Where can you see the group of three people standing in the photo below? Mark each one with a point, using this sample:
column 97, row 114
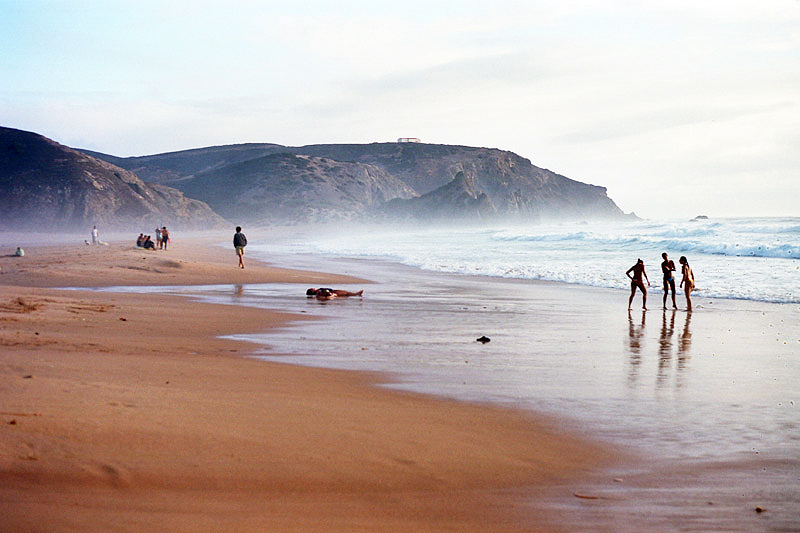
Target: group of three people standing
column 636, row 272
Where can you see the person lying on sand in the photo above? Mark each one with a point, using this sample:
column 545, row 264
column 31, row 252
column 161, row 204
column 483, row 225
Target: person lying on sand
column 327, row 294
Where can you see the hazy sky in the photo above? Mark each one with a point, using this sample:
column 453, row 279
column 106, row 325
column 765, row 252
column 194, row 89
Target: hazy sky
column 679, row 108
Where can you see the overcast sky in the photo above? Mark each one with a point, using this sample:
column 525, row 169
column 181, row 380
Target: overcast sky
column 679, row 108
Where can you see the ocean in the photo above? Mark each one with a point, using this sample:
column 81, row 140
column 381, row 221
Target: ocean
column 742, row 258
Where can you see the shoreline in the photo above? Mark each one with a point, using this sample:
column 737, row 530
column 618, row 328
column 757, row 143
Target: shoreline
column 679, row 392
column 116, row 409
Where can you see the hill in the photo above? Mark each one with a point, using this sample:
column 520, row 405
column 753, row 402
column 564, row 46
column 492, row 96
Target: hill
column 379, row 180
column 286, row 188
column 45, row 186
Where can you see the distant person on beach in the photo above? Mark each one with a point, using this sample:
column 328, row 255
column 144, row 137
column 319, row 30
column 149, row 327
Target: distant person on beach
column 667, row 268
column 239, row 242
column 339, row 293
column 94, row 235
column 158, row 237
column 688, row 279
column 636, row 281
column 148, row 243
column 164, row 237
column 140, row 240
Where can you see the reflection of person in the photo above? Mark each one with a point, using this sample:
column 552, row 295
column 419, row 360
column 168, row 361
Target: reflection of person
column 336, row 292
column 635, row 341
column 239, row 242
column 686, row 339
column 667, row 268
column 688, row 278
column 636, row 281
column 665, row 344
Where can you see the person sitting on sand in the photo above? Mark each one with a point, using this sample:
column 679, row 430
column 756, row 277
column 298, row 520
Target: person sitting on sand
column 688, row 278
column 140, row 240
column 667, row 268
column 148, row 243
column 636, row 281
column 336, row 292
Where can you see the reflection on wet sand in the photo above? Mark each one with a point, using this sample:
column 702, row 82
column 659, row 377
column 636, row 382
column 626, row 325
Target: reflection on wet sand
column 684, row 344
column 666, row 347
column 635, row 335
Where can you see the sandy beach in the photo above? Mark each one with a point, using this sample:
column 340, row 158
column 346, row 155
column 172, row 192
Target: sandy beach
column 127, row 412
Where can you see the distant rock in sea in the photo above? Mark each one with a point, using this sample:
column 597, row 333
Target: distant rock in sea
column 45, row 186
column 700, row 217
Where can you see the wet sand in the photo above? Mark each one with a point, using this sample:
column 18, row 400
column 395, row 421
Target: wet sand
column 704, row 403
column 128, row 412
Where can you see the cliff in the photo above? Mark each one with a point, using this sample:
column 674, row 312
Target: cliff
column 381, row 180
column 45, row 186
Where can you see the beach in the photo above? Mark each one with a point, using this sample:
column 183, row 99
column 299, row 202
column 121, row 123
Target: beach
column 127, row 411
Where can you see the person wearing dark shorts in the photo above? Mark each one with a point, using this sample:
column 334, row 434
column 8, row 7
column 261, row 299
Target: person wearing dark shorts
column 636, row 282
column 667, row 268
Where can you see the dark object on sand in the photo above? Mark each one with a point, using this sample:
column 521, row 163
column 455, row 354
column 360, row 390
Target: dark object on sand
column 484, row 339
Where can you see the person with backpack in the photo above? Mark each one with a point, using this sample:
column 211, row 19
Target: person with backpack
column 239, row 242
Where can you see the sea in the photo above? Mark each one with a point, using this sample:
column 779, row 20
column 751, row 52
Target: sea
column 741, row 258
column 710, row 399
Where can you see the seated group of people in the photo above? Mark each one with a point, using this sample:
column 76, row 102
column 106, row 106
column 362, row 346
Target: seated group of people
column 144, row 241
column 329, row 294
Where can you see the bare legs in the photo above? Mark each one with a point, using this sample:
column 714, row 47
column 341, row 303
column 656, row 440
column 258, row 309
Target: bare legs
column 640, row 286
column 667, row 286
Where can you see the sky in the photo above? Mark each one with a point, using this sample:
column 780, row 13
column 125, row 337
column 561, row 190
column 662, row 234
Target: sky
column 679, row 108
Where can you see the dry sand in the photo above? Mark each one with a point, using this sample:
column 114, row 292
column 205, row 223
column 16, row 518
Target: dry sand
column 127, row 412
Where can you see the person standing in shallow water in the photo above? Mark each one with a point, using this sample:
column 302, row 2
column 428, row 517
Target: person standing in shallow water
column 636, row 281
column 688, row 279
column 239, row 242
column 667, row 268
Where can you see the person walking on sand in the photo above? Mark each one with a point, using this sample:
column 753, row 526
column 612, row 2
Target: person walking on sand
column 94, row 235
column 164, row 237
column 688, row 278
column 667, row 268
column 239, row 242
column 636, row 281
